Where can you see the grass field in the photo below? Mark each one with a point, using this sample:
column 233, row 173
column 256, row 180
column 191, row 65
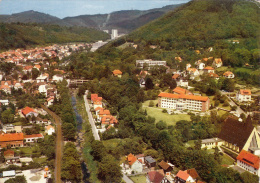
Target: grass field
column 40, row 160
column 159, row 115
column 226, row 160
column 138, row 179
column 112, row 143
column 248, row 70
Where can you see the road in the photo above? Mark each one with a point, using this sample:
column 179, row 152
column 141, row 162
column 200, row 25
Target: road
column 59, row 144
column 126, row 179
column 90, row 117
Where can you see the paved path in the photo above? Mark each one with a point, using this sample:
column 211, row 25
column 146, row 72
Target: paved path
column 59, row 145
column 126, row 179
column 239, row 110
column 90, row 117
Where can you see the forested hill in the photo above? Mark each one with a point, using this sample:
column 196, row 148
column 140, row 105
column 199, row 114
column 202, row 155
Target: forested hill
column 201, row 22
column 23, row 35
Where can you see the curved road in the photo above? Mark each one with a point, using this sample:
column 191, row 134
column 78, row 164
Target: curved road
column 59, row 144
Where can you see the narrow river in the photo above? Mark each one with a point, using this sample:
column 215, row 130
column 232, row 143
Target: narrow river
column 84, row 169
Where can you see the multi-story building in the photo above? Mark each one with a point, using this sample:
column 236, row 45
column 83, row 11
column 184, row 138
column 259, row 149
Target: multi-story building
column 249, row 162
column 244, row 95
column 149, row 63
column 182, row 102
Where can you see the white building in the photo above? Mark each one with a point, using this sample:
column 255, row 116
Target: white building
column 49, row 130
column 32, row 138
column 244, row 95
column 57, row 78
column 229, row 74
column 114, row 34
column 149, row 63
column 211, row 143
column 43, row 90
column 248, row 162
column 42, row 79
column 182, row 102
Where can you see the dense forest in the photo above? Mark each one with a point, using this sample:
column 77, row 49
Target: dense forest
column 22, row 35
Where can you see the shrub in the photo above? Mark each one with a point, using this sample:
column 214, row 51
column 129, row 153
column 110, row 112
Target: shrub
column 164, row 111
column 151, row 103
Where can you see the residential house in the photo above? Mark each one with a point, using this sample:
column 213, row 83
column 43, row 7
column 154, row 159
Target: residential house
column 135, row 165
column 38, row 67
column 142, row 82
column 193, row 72
column 117, row 73
column 41, row 121
column 94, row 98
column 238, row 135
column 57, row 78
column 167, row 167
column 183, row 177
column 149, row 161
column 208, row 69
column 156, row 177
column 49, row 130
column 50, row 101
column 179, row 90
column 244, row 95
column 217, row 62
column 6, row 89
column 176, row 77
column 27, row 111
column 228, row 74
column 179, row 59
column 43, row 90
column 183, row 101
column 32, row 138
column 249, row 162
column 9, row 157
column 213, row 75
column 108, row 120
column 12, row 139
column 201, row 66
column 42, row 78
column 102, row 114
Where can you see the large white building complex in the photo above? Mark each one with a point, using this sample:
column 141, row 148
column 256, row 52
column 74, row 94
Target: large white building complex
column 150, row 63
column 182, row 102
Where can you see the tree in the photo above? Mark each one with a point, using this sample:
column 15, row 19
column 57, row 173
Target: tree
column 151, row 103
column 98, row 150
column 35, row 73
column 7, row 116
column 161, row 125
column 248, row 177
column 149, row 83
column 109, row 170
column 20, row 179
column 69, row 131
column 197, row 144
column 81, row 90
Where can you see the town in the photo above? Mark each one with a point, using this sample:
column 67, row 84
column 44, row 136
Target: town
column 150, row 106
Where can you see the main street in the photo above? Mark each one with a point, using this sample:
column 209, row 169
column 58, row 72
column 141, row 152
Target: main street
column 90, row 117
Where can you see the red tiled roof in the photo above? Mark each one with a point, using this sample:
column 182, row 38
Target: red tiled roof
column 175, row 76
column 155, row 176
column 180, row 90
column 182, row 96
column 227, row 73
column 193, row 173
column 117, row 72
column 249, row 159
column 213, row 75
column 104, row 112
column 208, row 68
column 33, row 136
column 98, row 108
column 245, row 92
column 183, row 175
column 11, row 137
column 8, row 152
column 27, row 110
column 131, row 159
column 218, row 60
column 49, row 127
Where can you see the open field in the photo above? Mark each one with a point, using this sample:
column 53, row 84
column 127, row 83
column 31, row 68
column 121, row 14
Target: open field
column 159, row 115
column 226, row 160
column 138, row 179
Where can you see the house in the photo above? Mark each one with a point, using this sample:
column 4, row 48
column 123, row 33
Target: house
column 217, row 62
column 108, row 120
column 142, row 82
column 179, row 59
column 166, row 166
column 135, row 165
column 244, row 95
column 103, row 113
column 149, row 161
column 94, row 98
column 57, row 78
column 32, row 138
column 156, row 177
column 37, row 67
column 183, row 101
column 249, row 162
column 49, row 130
column 41, row 121
column 201, row 66
column 43, row 90
column 228, row 74
column 193, row 72
column 27, row 111
column 211, row 143
column 42, row 78
column 117, row 73
column 97, row 104
column 6, row 89
column 176, row 77
column 183, row 177
column 238, row 135
column 179, row 90
column 213, row 75
column 50, row 101
column 188, row 66
column 12, row 139
column 208, row 69
column 9, row 157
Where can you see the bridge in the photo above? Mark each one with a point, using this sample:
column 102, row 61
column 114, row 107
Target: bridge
column 75, row 83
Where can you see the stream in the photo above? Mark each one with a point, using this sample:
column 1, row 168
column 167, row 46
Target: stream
column 79, row 140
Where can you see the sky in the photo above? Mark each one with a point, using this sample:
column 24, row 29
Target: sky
column 68, row 8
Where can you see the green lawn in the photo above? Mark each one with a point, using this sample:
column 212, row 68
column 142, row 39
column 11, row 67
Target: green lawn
column 40, row 160
column 138, row 179
column 226, row 160
column 190, row 143
column 159, row 115
column 111, row 143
